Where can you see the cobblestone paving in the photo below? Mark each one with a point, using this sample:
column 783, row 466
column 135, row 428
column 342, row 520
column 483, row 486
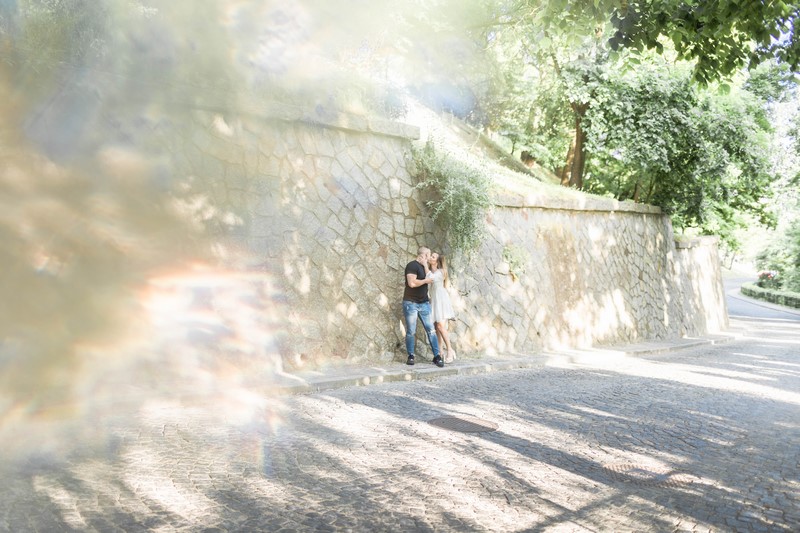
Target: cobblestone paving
column 706, row 439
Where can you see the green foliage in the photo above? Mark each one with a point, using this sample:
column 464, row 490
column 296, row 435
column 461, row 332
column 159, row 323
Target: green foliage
column 460, row 196
column 541, row 75
column 782, row 256
column 722, row 36
column 794, row 134
column 507, row 101
column 119, row 51
column 516, row 257
column 771, row 81
column 563, row 22
column 532, row 113
column 52, row 37
column 701, row 155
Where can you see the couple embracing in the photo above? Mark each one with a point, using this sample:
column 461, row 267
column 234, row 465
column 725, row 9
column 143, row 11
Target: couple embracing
column 428, row 269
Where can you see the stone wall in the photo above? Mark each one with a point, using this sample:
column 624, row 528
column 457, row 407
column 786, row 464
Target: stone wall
column 562, row 273
column 325, row 205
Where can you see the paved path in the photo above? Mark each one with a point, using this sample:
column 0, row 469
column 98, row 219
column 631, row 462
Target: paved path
column 700, row 439
column 741, row 306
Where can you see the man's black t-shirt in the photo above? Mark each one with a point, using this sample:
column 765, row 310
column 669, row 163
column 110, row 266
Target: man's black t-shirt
column 415, row 294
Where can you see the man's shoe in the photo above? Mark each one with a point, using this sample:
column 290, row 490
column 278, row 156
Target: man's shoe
column 438, row 361
column 410, row 360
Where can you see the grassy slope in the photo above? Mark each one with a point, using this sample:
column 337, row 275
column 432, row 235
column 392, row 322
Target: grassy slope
column 454, row 136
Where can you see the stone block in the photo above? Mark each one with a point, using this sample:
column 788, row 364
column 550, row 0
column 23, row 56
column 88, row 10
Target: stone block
column 323, row 166
column 351, row 287
column 375, row 180
column 404, row 243
column 338, row 227
column 410, row 226
column 387, row 169
column 323, row 146
column 347, row 163
column 307, row 142
column 334, row 204
column 341, row 247
column 399, row 224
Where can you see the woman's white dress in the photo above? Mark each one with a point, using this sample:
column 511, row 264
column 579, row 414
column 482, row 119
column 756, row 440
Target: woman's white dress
column 440, row 300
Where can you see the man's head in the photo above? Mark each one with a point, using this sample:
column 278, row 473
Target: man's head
column 423, row 254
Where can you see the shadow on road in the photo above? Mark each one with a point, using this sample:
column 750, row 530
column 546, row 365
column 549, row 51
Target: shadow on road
column 709, row 429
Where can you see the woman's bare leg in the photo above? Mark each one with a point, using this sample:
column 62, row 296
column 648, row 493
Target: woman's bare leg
column 450, row 351
column 441, row 332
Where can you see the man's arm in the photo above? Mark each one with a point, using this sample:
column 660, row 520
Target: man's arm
column 414, row 282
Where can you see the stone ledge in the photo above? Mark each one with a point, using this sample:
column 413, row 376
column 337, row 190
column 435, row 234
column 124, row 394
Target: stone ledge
column 392, row 129
column 695, row 242
column 319, row 116
column 541, row 201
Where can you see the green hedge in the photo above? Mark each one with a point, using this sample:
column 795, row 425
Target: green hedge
column 790, row 299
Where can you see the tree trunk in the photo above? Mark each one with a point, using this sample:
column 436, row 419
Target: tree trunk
column 579, row 153
column 565, row 170
column 572, row 174
column 651, row 191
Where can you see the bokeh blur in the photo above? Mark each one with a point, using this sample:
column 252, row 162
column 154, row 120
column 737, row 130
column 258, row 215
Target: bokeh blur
column 118, row 282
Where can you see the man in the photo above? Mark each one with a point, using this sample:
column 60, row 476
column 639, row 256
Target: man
column 416, row 304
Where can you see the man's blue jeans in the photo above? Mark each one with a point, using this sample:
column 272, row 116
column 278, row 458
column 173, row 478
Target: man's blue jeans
column 410, row 311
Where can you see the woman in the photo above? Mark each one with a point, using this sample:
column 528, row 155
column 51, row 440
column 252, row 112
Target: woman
column 440, row 303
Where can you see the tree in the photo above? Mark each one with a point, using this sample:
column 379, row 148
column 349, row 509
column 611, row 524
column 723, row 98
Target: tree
column 782, row 256
column 723, row 36
column 771, row 81
column 524, row 100
column 561, row 54
column 579, row 80
column 701, row 155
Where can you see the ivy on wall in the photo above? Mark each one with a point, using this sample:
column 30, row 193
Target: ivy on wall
column 461, row 195
column 516, row 257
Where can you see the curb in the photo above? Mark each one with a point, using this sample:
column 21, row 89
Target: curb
column 737, row 295
column 676, row 346
column 365, row 376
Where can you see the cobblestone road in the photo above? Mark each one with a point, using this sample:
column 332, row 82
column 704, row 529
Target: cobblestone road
column 706, row 439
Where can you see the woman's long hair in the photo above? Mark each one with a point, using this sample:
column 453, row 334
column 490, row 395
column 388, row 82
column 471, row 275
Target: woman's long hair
column 442, row 263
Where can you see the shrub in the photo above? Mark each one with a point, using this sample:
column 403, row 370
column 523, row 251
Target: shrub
column 789, row 299
column 768, row 279
column 516, row 257
column 460, row 196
